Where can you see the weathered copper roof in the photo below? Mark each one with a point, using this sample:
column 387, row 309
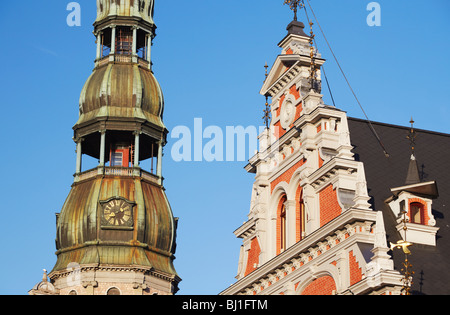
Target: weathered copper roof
column 81, row 238
column 121, row 91
column 142, row 9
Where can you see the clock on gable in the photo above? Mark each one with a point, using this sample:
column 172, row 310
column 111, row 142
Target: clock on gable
column 117, row 213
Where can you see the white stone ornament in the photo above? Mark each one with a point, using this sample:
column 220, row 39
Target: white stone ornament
column 287, row 114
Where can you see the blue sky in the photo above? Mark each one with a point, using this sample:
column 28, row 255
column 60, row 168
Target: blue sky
column 208, row 57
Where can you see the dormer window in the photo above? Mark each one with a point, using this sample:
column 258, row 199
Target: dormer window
column 414, row 203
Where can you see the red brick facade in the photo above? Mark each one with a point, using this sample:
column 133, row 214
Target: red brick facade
column 253, row 256
column 286, row 176
column 355, row 270
column 321, row 286
column 329, row 205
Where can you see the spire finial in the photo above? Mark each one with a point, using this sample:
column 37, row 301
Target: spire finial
column 412, row 136
column 413, row 176
column 294, row 5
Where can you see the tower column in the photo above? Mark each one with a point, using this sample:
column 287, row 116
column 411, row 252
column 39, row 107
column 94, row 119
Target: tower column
column 136, row 148
column 99, row 44
column 159, row 162
column 134, row 56
column 113, row 40
column 149, row 50
column 101, row 165
column 79, row 155
column 102, row 147
column 134, row 49
column 290, row 222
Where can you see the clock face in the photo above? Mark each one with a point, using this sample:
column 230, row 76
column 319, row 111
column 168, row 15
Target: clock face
column 117, row 212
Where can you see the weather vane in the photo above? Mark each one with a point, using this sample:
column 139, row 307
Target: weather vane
column 294, row 5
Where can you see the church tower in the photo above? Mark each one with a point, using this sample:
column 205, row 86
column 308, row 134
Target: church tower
column 310, row 228
column 116, row 233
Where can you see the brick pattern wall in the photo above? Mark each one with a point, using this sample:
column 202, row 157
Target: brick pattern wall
column 286, row 176
column 355, row 270
column 321, row 286
column 253, row 256
column 329, row 205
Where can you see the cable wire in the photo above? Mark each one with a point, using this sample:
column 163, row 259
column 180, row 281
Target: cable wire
column 323, row 67
column 348, row 83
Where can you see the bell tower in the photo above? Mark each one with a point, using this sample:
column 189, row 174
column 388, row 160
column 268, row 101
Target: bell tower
column 116, row 233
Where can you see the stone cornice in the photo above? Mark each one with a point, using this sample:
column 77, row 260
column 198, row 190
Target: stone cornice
column 350, row 227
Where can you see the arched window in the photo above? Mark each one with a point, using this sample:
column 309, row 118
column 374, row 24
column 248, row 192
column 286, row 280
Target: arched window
column 282, row 225
column 283, row 228
column 417, row 213
column 113, row 291
column 301, row 217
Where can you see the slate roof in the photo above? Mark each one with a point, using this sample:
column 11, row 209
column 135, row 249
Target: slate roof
column 430, row 264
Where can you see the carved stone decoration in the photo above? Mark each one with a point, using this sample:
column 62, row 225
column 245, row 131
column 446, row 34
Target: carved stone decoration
column 287, row 113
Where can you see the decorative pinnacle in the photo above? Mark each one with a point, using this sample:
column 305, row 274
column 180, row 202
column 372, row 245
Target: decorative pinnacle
column 266, row 116
column 294, row 5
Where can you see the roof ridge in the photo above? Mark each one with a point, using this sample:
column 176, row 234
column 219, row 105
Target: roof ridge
column 399, row 126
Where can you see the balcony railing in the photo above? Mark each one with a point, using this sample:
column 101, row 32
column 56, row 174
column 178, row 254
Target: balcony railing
column 117, row 58
column 117, row 171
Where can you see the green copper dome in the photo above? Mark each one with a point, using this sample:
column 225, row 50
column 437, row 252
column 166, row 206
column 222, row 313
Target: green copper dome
column 125, row 91
column 147, row 242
